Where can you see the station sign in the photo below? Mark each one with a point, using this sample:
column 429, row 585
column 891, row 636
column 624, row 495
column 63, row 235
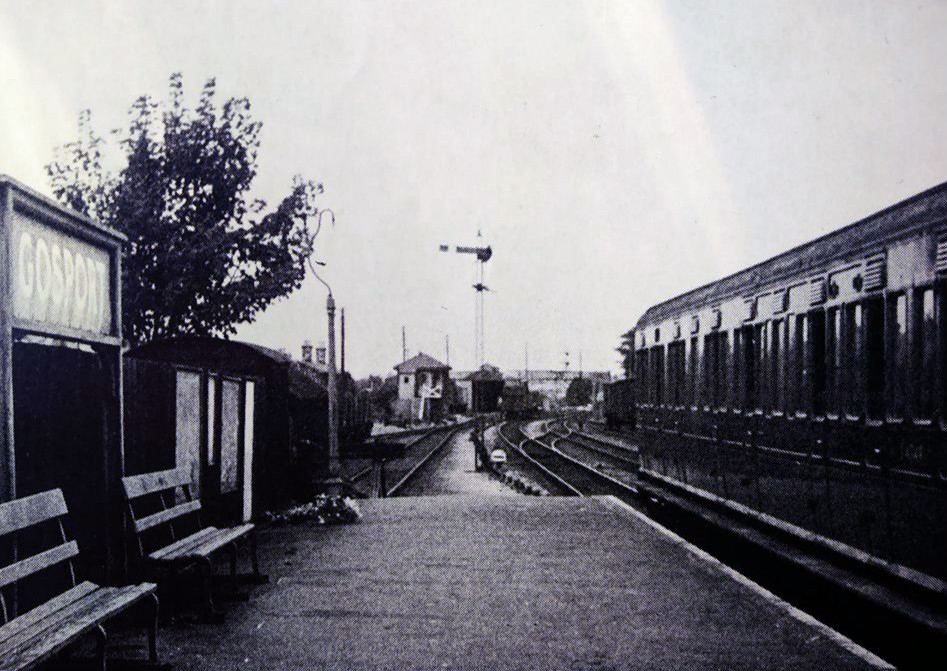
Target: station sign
column 58, row 280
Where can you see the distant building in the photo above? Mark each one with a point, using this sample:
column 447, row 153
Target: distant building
column 553, row 384
column 550, row 384
column 486, row 387
column 423, row 388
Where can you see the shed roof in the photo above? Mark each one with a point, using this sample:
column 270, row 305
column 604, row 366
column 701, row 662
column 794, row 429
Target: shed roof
column 306, row 380
column 420, row 361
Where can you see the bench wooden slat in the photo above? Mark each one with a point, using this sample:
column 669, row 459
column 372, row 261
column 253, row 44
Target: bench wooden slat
column 32, row 617
column 31, row 510
column 167, row 515
column 222, row 538
column 50, row 619
column 208, row 545
column 182, row 545
column 48, row 637
column 38, row 562
column 137, row 486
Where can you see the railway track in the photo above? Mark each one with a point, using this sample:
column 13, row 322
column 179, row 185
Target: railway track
column 402, row 470
column 617, row 456
column 906, row 628
column 520, row 459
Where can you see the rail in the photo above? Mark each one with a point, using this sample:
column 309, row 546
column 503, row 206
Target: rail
column 410, row 475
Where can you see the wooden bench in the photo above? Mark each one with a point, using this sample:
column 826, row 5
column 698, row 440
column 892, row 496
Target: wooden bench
column 29, row 639
column 170, row 536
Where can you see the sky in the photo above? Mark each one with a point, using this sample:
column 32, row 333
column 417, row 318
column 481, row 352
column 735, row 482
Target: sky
column 612, row 154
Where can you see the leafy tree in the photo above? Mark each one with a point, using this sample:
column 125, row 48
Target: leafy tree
column 579, row 391
column 202, row 256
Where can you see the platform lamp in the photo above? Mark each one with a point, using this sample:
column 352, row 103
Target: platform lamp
column 333, row 485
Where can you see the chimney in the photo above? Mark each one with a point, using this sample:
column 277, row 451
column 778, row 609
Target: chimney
column 321, row 354
column 307, row 351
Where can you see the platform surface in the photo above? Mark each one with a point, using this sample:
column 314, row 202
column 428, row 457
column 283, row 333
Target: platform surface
column 496, row 582
column 452, row 472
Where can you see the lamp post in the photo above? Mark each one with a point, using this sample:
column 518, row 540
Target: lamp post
column 333, row 485
column 333, row 394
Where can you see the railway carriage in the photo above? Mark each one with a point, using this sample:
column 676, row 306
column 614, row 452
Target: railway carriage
column 827, row 357
column 618, row 408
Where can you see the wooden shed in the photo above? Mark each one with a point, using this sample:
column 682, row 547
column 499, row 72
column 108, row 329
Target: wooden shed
column 250, row 421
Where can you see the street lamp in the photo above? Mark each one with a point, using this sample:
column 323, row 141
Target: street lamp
column 333, row 485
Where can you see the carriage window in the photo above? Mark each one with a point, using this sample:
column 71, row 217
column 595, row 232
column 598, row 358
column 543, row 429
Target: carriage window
column 747, row 356
column 925, row 354
column 721, row 378
column 694, row 387
column 776, row 365
column 799, row 372
column 676, row 373
column 875, row 357
column 897, row 355
column 852, row 383
column 816, row 360
column 761, row 390
column 833, row 334
column 942, row 327
column 641, row 375
column 658, row 372
column 710, row 367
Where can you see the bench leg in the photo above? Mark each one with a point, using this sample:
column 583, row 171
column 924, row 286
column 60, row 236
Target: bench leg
column 207, row 571
column 258, row 579
column 233, row 568
column 253, row 556
column 153, row 630
column 100, row 640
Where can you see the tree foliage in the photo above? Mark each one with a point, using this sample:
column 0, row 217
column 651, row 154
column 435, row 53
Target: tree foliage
column 202, row 256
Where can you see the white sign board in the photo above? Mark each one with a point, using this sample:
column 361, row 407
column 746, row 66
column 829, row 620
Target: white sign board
column 58, row 280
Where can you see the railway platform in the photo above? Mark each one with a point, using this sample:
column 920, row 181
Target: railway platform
column 503, row 582
column 452, row 471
